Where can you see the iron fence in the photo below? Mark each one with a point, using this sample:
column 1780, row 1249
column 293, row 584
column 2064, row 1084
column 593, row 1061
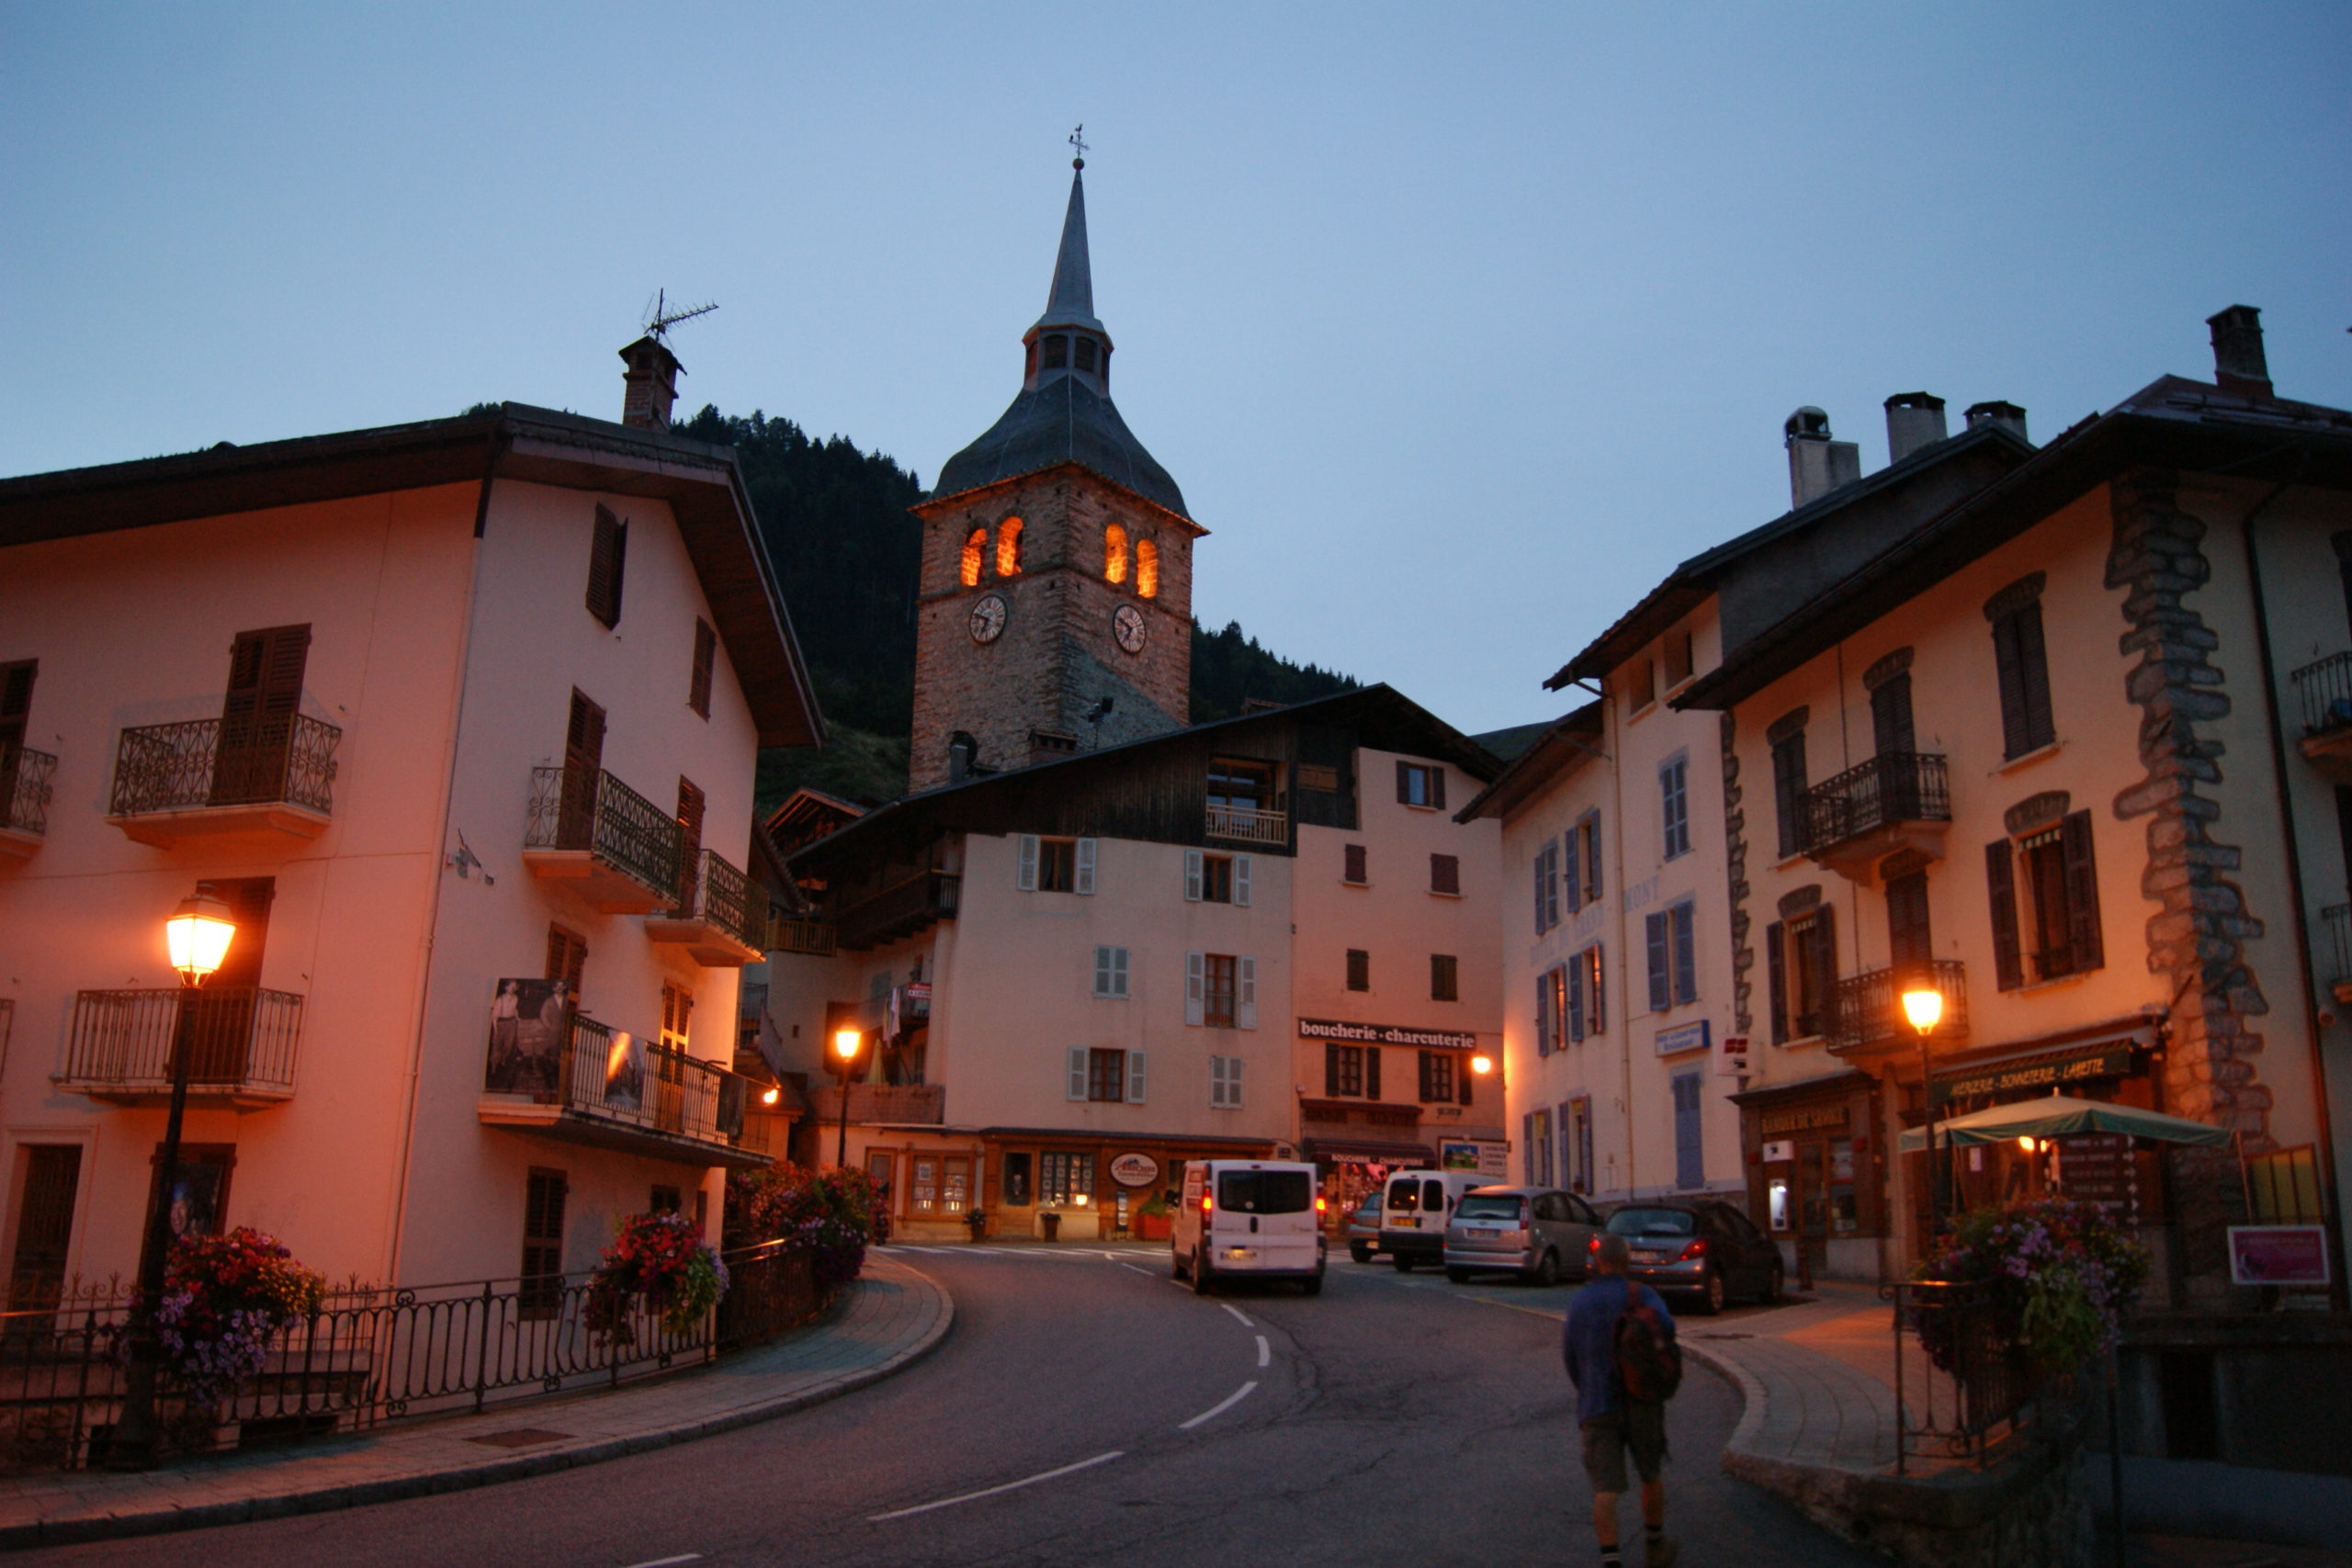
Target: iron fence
column 26, row 788
column 286, row 758
column 721, row 895
column 573, row 809
column 235, row 1037
column 1869, row 1006
column 1965, row 1387
column 2325, row 687
column 1896, row 786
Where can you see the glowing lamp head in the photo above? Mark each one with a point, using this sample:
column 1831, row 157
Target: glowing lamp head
column 2028, row 1144
column 1482, row 1066
column 1924, row 1006
column 198, row 935
column 845, row 1042
column 770, row 1095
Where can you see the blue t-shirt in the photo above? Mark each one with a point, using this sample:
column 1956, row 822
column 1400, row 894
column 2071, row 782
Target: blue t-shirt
column 1589, row 1340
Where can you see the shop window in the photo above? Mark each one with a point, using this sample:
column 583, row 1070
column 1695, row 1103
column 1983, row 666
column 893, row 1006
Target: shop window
column 1065, row 1178
column 881, row 1167
column 2284, row 1185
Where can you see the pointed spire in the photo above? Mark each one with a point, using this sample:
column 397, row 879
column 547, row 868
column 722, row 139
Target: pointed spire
column 1070, row 302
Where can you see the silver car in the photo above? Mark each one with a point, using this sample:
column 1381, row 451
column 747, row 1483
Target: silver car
column 1533, row 1232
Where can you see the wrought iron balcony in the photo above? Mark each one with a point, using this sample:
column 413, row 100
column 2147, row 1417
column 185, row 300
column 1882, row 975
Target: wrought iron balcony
column 240, row 1041
column 25, row 792
column 882, row 1104
column 617, row 1090
column 1896, row 801
column 618, row 850
column 2324, row 687
column 1249, row 825
column 225, row 778
column 712, row 919
column 901, row 909
column 1869, row 1006
column 814, row 938
column 2336, row 920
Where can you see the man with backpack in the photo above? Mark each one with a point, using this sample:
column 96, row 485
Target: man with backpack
column 1619, row 1345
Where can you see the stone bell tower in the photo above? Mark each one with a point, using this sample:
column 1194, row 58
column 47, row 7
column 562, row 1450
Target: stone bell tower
column 1054, row 612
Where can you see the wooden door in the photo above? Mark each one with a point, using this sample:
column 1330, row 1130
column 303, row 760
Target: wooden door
column 257, row 716
column 44, row 1226
column 16, row 709
column 583, row 760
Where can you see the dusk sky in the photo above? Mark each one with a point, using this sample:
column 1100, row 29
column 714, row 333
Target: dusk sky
column 1458, row 326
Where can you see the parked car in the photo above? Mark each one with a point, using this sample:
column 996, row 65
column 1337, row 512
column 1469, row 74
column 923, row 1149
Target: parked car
column 1257, row 1219
column 1363, row 1229
column 1703, row 1249
column 1414, row 1208
column 1533, row 1232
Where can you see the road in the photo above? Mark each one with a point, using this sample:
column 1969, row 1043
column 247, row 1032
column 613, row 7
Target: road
column 1103, row 1415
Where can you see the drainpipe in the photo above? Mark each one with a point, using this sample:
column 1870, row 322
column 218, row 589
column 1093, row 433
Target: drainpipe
column 2336, row 1291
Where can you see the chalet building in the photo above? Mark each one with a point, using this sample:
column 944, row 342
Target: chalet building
column 2070, row 749
column 460, row 720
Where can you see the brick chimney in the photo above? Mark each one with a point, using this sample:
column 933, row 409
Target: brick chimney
column 650, row 382
column 2239, row 364
column 1912, row 420
column 2007, row 415
column 1816, row 464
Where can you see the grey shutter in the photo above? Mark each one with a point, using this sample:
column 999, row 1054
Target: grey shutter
column 1372, row 1072
column 1592, row 857
column 1776, row 971
column 1025, row 876
column 1330, row 1069
column 1404, row 783
column 1241, row 880
column 1596, row 1016
column 1543, row 1014
column 1119, row 971
column 1576, row 1001
column 1101, row 971
column 1192, row 876
column 1825, row 953
column 1135, row 1078
column 1195, row 984
column 1686, row 952
column 1077, row 1071
column 2082, row 892
column 1569, row 874
column 1543, row 871
column 2000, row 877
column 1437, row 790
column 1245, row 987
column 1654, row 929
column 1084, row 880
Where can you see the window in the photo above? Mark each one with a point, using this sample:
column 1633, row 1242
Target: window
column 1538, row 1151
column 1801, row 964
column 1352, row 1070
column 1217, row 879
column 1585, row 1013
column 1575, row 1142
column 1008, row 548
column 2022, row 667
column 607, row 562
column 1909, row 944
column 1891, row 728
column 1017, row 1170
column 1788, row 791
column 1240, row 788
column 1551, row 1009
column 1673, row 939
column 1146, row 569
column 1106, row 1075
column 2284, row 1186
column 1674, row 813
column 1084, row 349
column 677, row 1009
column 1641, row 685
column 1547, row 886
column 1063, row 1177
column 1057, row 352
column 1446, row 978
column 543, row 1197
column 1359, row 969
column 1354, row 870
column 1054, row 865
column 566, row 958
column 706, row 657
column 1114, row 549
column 2061, row 929
column 1677, row 650
column 1219, row 995
column 1437, row 1077
column 1225, row 1083
column 1220, row 991
column 1110, row 972
column 1582, row 869
column 1445, row 874
column 49, row 1177
column 665, row 1200
column 976, row 555
column 1689, row 1163
column 1422, row 785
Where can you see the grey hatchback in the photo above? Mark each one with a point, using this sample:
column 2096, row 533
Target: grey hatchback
column 1705, row 1248
column 1534, row 1232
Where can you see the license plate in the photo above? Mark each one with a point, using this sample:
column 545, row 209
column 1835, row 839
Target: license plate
column 1476, row 1230
column 1241, row 1254
column 1406, row 1222
column 1640, row 1257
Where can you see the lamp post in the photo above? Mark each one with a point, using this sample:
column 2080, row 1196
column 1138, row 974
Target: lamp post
column 847, row 1042
column 1924, row 1006
column 197, row 936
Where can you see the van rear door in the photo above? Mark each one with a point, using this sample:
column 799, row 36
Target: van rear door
column 1270, row 1212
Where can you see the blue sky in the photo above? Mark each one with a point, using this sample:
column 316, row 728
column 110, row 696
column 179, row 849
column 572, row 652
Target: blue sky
column 1459, row 325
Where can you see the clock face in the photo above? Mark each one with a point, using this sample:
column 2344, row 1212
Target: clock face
column 987, row 619
column 1127, row 624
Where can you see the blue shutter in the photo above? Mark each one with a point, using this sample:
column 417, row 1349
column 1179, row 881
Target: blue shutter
column 1543, row 1014
column 1539, row 887
column 1569, row 871
column 1576, row 1002
column 1689, row 1168
column 1660, row 996
column 1686, row 952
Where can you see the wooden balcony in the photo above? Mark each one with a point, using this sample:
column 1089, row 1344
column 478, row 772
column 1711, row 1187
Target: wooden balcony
column 815, row 938
column 615, row 1090
column 1868, row 1007
column 2324, row 687
column 713, row 918
column 901, row 909
column 252, row 781
column 609, row 844
column 882, row 1104
column 25, row 793
column 241, row 1043
column 1898, row 801
column 1249, row 825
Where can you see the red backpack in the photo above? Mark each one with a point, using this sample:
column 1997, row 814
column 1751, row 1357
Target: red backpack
column 1650, row 1363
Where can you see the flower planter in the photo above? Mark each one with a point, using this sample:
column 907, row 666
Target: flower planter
column 1149, row 1227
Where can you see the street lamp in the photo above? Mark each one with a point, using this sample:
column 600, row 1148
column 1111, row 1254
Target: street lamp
column 1482, row 1066
column 846, row 1044
column 1924, row 1006
column 197, row 936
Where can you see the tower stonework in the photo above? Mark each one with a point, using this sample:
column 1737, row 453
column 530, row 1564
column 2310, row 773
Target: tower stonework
column 1055, row 608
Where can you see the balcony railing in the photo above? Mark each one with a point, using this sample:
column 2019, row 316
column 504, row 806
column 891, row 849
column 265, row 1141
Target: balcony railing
column 1888, row 790
column 713, row 917
column 24, row 790
column 619, row 1090
column 812, row 937
column 898, row 911
column 275, row 772
column 2326, row 688
column 1869, row 1007
column 1249, row 824
column 241, row 1043
column 586, row 825
column 882, row 1104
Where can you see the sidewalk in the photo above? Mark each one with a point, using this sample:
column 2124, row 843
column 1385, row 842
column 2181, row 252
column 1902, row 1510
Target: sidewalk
column 891, row 1317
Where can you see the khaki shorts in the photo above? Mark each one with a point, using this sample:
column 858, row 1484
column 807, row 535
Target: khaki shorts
column 1633, row 1426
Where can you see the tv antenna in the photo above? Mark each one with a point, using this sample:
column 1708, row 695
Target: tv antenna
column 661, row 318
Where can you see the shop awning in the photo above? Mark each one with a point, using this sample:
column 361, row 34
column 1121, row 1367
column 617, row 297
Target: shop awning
column 2054, row 1116
column 1365, row 1151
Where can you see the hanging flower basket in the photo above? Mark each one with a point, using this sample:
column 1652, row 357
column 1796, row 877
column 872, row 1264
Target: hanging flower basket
column 658, row 1260
column 225, row 1297
column 2054, row 1278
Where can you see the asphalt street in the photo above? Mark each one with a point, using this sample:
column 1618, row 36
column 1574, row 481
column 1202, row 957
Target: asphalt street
column 1086, row 1410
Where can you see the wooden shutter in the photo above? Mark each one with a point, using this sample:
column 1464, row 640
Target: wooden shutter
column 1576, row 1000
column 1909, row 945
column 1245, row 985
column 1543, row 871
column 607, row 557
column 1437, row 798
column 1891, row 729
column 706, row 657
column 1404, row 783
column 583, row 759
column 1661, row 994
column 1776, row 977
column 1025, row 872
column 1686, row 952
column 257, row 714
column 1195, row 987
column 1825, row 965
column 1075, row 1062
column 1356, row 871
column 2082, row 892
column 15, row 703
column 1445, row 873
column 2035, row 670
column 1082, row 879
column 1192, row 876
column 1330, row 1069
column 543, row 1204
column 2001, row 879
column 1134, row 1079
column 690, row 813
column 1788, row 792
column 1241, row 868
column 1462, row 1078
column 1372, row 1072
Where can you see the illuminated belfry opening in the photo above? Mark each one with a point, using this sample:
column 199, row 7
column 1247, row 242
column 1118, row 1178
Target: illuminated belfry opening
column 1114, row 554
column 1008, row 548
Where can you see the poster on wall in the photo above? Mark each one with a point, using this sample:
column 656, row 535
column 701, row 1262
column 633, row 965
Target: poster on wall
column 2277, row 1255
column 527, row 1024
column 1474, row 1155
column 625, row 1072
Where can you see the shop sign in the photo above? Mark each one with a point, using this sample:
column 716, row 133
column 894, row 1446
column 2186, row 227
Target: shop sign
column 2097, row 1168
column 1386, row 1034
column 2277, row 1255
column 1465, row 1154
column 1687, row 1037
column 1134, row 1170
column 2114, row 1062
column 1731, row 1061
column 1804, row 1120
column 1779, row 1151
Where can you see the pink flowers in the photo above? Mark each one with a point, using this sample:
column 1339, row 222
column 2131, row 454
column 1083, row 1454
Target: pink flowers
column 662, row 1259
column 833, row 1214
column 2059, row 1277
column 225, row 1297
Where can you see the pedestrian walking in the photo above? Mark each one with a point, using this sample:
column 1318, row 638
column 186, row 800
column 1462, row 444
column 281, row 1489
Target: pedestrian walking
column 1619, row 1345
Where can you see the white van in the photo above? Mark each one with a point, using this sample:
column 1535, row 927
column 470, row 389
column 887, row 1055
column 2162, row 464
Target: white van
column 1253, row 1219
column 1414, row 1209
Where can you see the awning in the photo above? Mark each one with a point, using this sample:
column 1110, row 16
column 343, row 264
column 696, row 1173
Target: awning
column 2057, row 1115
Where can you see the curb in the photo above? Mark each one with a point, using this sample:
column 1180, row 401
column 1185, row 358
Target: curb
column 324, row 1499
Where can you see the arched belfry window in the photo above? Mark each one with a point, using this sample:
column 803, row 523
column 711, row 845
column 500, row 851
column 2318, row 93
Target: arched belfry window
column 976, row 552
column 1114, row 554
column 1008, row 548
column 1057, row 352
column 1147, row 568
column 1086, row 353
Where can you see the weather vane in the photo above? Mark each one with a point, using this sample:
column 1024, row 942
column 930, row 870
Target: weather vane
column 1077, row 140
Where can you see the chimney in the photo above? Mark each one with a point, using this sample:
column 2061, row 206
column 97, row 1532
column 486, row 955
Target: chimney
column 651, row 383
column 2239, row 364
column 2007, row 415
column 1816, row 464
column 1912, row 420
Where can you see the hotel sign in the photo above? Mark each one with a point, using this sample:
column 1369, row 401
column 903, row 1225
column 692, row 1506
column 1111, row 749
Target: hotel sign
column 1386, row 1034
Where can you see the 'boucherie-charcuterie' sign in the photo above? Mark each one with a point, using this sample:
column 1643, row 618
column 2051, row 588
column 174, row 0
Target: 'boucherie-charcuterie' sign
column 1385, row 1035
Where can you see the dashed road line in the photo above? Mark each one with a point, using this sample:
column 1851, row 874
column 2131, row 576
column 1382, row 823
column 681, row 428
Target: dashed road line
column 668, row 1561
column 994, row 1491
column 1221, row 1406
column 1265, row 1352
column 1238, row 1315
column 1145, row 1273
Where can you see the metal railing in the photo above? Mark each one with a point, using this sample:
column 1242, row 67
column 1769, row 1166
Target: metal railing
column 2337, row 919
column 720, row 896
column 903, row 907
column 812, row 937
column 573, row 809
column 26, row 788
column 882, row 1104
column 1896, row 787
column 2325, row 687
column 1249, row 825
column 1963, row 1389
column 1868, row 1007
column 237, row 1037
column 659, row 1088
column 370, row 1356
column 275, row 758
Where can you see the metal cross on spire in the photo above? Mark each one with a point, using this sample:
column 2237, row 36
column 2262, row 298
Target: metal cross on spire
column 1077, row 140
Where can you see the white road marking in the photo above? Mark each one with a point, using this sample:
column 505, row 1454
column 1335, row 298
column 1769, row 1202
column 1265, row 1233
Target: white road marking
column 1265, row 1352
column 1238, row 1315
column 908, row 1246
column 993, row 1490
column 667, row 1561
column 1133, row 1270
column 1221, row 1406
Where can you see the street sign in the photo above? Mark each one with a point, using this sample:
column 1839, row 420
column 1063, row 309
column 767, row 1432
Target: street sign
column 1731, row 1059
column 2277, row 1255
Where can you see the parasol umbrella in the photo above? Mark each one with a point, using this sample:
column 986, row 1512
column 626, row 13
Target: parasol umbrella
column 2058, row 1115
